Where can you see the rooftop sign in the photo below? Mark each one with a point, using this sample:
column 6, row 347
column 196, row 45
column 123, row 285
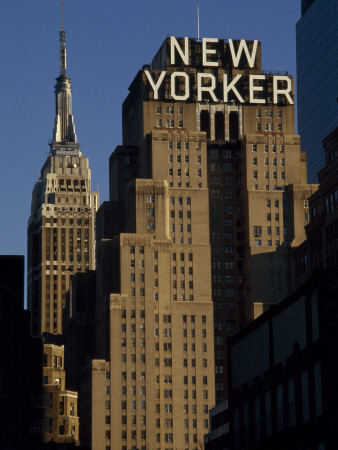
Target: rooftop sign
column 243, row 87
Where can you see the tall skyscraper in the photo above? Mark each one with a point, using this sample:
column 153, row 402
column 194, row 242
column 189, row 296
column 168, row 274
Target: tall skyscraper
column 317, row 78
column 209, row 155
column 61, row 227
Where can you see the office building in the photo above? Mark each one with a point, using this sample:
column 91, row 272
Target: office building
column 154, row 308
column 317, row 78
column 257, row 200
column 320, row 250
column 219, row 431
column 61, row 227
column 79, row 326
column 282, row 390
column 209, row 154
column 60, row 406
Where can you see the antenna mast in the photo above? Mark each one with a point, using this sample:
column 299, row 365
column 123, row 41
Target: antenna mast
column 63, row 63
column 62, row 28
column 198, row 22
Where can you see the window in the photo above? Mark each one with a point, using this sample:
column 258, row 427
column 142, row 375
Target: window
column 258, row 127
column 257, row 230
column 254, row 147
column 269, row 126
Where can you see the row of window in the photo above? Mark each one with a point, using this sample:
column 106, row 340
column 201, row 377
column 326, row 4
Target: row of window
column 258, row 229
column 267, row 175
column 227, row 180
column 229, row 279
column 185, row 172
column 268, row 113
column 227, row 193
column 180, row 240
column 183, row 285
column 258, row 243
column 180, row 214
column 133, row 313
column 186, row 145
column 169, row 123
column 180, row 201
column 217, row 292
column 268, row 187
column 186, row 159
column 266, row 161
column 169, row 109
column 227, row 154
column 266, row 148
column 226, row 167
column 268, row 126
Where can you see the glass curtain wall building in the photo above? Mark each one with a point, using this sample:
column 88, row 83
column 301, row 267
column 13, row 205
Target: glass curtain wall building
column 317, row 78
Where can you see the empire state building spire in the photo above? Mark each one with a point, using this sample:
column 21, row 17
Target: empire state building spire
column 64, row 128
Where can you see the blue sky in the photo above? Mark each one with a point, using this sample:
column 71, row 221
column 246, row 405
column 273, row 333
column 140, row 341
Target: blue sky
column 108, row 41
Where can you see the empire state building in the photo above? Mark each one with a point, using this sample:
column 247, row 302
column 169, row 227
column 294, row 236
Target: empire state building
column 61, row 226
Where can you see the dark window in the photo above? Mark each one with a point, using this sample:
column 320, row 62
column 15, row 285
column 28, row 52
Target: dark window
column 219, row 125
column 205, row 122
column 233, row 125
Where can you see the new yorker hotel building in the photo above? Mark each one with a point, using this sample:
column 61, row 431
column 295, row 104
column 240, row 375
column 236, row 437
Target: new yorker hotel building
column 209, row 113
column 199, row 109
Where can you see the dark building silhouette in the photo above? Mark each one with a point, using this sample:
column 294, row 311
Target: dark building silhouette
column 320, row 250
column 79, row 327
column 20, row 363
column 283, row 373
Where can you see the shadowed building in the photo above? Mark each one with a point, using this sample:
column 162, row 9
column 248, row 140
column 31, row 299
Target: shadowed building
column 320, row 250
column 20, row 363
column 282, row 390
